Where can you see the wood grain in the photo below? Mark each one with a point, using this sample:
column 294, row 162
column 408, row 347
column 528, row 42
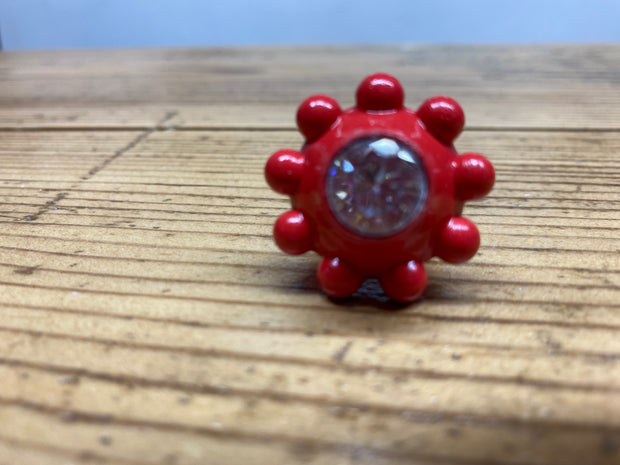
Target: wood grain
column 535, row 87
column 146, row 316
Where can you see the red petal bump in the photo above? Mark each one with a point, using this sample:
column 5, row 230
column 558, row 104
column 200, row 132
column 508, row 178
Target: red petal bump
column 458, row 241
column 292, row 233
column 337, row 278
column 316, row 114
column 474, row 176
column 283, row 171
column 380, row 92
column 405, row 283
column 443, row 117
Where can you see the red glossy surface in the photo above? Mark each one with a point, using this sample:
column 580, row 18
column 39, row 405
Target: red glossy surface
column 380, row 92
column 283, row 171
column 458, row 240
column 337, row 278
column 292, row 233
column 405, row 282
column 443, row 117
column 474, row 176
column 316, row 114
column 396, row 260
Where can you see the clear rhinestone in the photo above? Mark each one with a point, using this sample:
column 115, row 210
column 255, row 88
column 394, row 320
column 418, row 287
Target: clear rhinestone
column 376, row 186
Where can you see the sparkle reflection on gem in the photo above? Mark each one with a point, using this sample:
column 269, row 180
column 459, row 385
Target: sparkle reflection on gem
column 376, row 186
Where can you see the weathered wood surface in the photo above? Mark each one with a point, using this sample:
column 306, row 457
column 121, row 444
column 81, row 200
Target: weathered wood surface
column 501, row 87
column 146, row 316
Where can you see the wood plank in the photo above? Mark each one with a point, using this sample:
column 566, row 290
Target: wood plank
column 146, row 317
column 208, row 415
column 499, row 86
column 159, row 254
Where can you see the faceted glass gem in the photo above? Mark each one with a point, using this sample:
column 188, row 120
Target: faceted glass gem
column 376, row 186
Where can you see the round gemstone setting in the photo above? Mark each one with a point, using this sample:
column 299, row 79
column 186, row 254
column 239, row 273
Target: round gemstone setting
column 376, row 186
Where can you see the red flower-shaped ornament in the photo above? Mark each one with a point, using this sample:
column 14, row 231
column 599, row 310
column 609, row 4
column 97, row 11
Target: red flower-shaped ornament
column 378, row 189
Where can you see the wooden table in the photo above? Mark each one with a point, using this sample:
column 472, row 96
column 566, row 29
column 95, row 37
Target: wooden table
column 147, row 316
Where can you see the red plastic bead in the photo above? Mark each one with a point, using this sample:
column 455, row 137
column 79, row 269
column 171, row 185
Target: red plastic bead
column 405, row 283
column 316, row 114
column 283, row 171
column 337, row 278
column 378, row 189
column 474, row 176
column 443, row 118
column 458, row 241
column 380, row 92
column 292, row 234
